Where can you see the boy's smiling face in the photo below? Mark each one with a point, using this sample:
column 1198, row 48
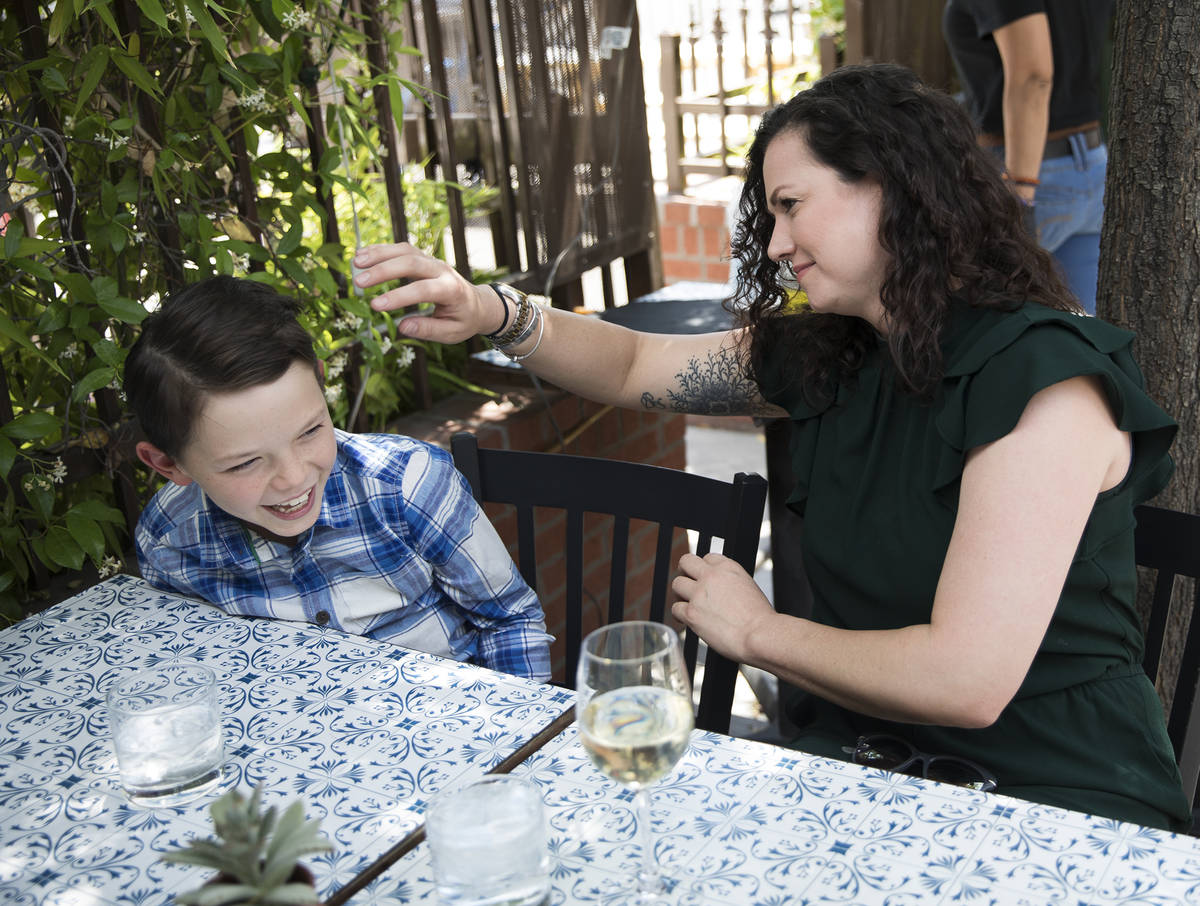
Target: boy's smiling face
column 263, row 454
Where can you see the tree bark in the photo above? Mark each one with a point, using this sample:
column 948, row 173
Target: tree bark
column 1150, row 241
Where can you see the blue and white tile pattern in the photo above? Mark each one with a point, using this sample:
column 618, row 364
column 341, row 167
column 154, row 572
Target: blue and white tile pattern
column 740, row 823
column 363, row 731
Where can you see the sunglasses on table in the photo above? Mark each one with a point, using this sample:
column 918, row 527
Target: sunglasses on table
column 891, row 753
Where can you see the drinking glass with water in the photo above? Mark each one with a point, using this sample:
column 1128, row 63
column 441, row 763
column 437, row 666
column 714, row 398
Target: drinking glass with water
column 166, row 729
column 487, row 844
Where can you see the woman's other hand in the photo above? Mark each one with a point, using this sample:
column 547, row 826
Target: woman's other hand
column 721, row 603
column 461, row 309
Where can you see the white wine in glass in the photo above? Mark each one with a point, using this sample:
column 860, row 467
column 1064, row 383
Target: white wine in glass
column 634, row 709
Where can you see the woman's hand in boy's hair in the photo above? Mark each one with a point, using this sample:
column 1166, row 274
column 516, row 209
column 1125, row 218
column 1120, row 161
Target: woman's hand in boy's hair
column 461, row 308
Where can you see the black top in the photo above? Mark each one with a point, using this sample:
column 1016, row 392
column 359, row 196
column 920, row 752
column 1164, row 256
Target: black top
column 877, row 477
column 1077, row 32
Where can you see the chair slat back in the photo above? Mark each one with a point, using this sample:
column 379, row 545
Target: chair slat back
column 1168, row 542
column 671, row 498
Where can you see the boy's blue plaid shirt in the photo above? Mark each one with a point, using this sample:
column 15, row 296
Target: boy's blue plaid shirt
column 400, row 551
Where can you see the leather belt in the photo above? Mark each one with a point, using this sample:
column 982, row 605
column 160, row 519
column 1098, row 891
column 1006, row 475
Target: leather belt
column 1061, row 147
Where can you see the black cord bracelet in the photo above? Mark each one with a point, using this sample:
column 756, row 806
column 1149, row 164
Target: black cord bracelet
column 504, row 304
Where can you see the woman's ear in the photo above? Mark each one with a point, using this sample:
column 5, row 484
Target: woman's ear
column 161, row 463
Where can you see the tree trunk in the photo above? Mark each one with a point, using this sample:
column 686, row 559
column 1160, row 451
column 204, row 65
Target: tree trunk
column 1150, row 242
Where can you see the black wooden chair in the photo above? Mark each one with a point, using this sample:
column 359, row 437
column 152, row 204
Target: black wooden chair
column 1168, row 542
column 671, row 498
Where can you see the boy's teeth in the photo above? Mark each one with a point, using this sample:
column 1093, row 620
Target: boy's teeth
column 292, row 504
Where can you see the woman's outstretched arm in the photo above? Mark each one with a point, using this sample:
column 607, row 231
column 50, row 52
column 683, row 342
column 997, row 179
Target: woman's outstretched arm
column 695, row 373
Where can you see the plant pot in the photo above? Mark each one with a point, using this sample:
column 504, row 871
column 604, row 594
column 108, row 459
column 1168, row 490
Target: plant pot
column 300, row 875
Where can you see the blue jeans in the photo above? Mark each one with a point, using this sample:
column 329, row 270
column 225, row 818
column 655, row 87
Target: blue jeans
column 1069, row 209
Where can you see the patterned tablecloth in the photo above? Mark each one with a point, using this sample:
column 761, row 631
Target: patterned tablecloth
column 363, row 731
column 744, row 823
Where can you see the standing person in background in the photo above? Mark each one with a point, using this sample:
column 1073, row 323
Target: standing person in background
column 1030, row 70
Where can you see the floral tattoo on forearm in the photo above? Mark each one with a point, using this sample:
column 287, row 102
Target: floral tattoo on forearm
column 716, row 386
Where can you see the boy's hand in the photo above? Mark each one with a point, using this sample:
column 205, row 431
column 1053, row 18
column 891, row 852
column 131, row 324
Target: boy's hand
column 461, row 309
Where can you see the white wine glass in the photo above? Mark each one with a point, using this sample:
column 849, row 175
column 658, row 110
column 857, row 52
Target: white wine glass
column 634, row 709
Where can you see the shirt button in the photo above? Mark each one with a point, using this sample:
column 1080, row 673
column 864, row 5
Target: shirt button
column 322, row 617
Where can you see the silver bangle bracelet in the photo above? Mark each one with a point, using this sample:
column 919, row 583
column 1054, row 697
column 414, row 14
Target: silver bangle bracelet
column 541, row 325
column 527, row 329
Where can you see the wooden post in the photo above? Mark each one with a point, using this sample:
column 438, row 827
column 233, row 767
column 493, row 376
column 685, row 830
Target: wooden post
column 445, row 136
column 317, row 146
column 504, row 223
column 791, row 11
column 827, row 53
column 671, row 80
column 385, row 117
column 722, row 109
column 693, row 38
column 768, row 39
column 745, row 13
column 855, row 39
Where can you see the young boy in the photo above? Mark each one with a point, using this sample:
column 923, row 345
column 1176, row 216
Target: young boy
column 273, row 512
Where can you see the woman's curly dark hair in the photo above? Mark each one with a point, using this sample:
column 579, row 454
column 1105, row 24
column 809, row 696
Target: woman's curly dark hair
column 949, row 223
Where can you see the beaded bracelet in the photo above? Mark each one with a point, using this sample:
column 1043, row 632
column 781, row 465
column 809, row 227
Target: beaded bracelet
column 1022, row 180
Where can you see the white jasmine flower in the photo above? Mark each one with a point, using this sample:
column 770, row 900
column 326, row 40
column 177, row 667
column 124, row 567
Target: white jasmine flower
column 117, row 141
column 405, row 356
column 70, row 350
column 256, row 100
column 109, row 567
column 349, row 323
column 335, row 366
column 385, row 345
column 297, row 18
column 40, row 482
column 333, row 393
column 58, row 471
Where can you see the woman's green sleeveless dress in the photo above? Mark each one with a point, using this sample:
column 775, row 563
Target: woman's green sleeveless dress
column 877, row 484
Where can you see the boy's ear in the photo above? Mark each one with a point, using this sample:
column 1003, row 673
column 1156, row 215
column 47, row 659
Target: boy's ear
column 161, row 463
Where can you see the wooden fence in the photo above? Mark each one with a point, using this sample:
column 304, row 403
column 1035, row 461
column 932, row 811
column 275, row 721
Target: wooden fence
column 779, row 53
column 546, row 102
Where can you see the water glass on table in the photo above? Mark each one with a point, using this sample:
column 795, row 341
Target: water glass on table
column 487, row 844
column 166, row 728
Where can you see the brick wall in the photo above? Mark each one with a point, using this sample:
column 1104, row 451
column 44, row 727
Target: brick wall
column 522, row 421
column 694, row 240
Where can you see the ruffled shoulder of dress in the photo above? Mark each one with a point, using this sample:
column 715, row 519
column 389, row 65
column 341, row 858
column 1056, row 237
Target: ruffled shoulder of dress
column 974, row 336
column 997, row 361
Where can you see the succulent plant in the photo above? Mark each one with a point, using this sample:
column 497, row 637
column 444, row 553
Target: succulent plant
column 256, row 855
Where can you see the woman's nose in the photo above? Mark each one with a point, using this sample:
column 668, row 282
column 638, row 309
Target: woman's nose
column 780, row 247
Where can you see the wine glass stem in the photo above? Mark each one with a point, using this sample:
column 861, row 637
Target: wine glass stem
column 649, row 883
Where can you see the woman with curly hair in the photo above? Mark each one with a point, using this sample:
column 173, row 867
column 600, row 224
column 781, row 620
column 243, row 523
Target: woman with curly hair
column 968, row 450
